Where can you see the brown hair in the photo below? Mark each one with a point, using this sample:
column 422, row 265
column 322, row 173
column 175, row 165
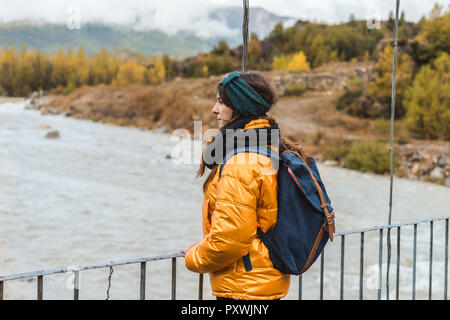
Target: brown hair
column 261, row 86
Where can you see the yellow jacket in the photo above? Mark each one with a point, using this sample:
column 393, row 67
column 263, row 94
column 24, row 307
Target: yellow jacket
column 243, row 199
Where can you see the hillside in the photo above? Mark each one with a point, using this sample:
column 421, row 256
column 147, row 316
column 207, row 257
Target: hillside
column 311, row 119
column 93, row 37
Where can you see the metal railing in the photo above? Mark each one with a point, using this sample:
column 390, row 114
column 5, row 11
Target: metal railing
column 143, row 264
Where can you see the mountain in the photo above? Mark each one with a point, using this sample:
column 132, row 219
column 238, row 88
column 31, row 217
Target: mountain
column 93, row 36
column 261, row 21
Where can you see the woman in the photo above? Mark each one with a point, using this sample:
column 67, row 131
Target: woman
column 243, row 199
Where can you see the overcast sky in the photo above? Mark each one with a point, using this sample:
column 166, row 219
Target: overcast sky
column 174, row 15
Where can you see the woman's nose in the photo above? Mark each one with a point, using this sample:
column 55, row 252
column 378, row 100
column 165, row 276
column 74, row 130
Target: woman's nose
column 215, row 110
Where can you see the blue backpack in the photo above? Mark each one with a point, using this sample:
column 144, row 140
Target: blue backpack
column 305, row 218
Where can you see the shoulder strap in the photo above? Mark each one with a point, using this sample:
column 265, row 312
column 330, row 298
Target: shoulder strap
column 266, row 151
column 324, row 206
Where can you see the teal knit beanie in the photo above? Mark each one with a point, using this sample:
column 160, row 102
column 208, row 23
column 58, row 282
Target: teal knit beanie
column 244, row 98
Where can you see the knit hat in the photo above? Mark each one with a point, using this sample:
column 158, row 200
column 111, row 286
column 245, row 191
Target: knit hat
column 244, row 98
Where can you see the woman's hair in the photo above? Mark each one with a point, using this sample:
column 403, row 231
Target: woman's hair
column 264, row 89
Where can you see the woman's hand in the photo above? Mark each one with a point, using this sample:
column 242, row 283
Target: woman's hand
column 189, row 247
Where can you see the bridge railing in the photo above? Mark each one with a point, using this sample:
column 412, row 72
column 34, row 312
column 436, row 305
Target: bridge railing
column 342, row 235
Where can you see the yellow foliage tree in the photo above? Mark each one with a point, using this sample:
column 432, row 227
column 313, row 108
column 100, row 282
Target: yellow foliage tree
column 101, row 68
column 42, row 68
column 381, row 87
column 80, row 68
column 435, row 32
column 62, row 68
column 156, row 73
column 130, row 72
column 318, row 53
column 8, row 70
column 205, row 70
column 254, row 51
column 280, row 63
column 294, row 63
column 428, row 100
column 298, row 63
column 24, row 73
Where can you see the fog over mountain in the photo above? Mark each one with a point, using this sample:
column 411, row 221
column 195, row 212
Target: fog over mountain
column 176, row 27
column 212, row 26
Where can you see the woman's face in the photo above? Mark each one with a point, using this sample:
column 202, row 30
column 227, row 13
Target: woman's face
column 222, row 112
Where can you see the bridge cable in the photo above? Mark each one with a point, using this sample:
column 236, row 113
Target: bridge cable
column 394, row 84
column 109, row 281
column 245, row 35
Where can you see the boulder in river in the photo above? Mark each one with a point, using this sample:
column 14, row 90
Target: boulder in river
column 43, row 127
column 52, row 134
column 437, row 173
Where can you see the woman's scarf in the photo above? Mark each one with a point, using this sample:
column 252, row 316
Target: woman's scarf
column 231, row 137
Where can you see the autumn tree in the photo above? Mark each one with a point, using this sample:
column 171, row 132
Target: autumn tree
column 428, row 100
column 24, row 72
column 277, row 36
column 293, row 63
column 42, row 71
column 169, row 65
column 129, row 73
column 381, row 87
column 254, row 52
column 280, row 62
column 218, row 61
column 298, row 63
column 318, row 52
column 435, row 32
column 156, row 71
column 8, row 70
column 79, row 68
column 62, row 68
column 101, row 68
column 221, row 48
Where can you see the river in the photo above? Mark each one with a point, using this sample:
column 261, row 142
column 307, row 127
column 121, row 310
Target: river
column 104, row 193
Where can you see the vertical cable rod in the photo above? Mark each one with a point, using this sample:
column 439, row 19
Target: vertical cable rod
column 245, row 35
column 391, row 149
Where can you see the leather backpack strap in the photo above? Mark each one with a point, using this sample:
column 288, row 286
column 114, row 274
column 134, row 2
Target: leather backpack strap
column 329, row 215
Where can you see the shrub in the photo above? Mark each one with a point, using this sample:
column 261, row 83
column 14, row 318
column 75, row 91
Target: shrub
column 338, row 150
column 382, row 126
column 369, row 155
column 294, row 89
column 350, row 100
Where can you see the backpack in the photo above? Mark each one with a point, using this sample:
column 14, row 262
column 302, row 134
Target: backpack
column 305, row 220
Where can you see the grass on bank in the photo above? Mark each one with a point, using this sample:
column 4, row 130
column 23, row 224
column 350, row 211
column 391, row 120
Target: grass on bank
column 366, row 155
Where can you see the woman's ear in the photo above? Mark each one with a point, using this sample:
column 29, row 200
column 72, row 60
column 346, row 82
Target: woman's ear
column 235, row 114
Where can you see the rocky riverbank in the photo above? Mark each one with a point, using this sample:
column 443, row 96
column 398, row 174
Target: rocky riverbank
column 420, row 161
